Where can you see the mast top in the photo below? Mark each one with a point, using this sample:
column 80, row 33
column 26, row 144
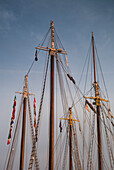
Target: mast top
column 92, row 34
column 52, row 23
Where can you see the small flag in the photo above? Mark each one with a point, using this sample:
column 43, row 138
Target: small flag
column 8, row 142
column 35, row 125
column 86, row 106
column 60, row 125
column 12, row 121
column 36, row 56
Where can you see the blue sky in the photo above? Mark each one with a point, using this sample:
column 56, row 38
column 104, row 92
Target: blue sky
column 24, row 23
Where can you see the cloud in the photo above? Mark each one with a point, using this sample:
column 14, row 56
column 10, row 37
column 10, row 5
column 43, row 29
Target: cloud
column 7, row 15
column 6, row 18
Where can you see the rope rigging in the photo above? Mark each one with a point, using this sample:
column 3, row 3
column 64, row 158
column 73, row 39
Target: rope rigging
column 37, row 52
column 84, row 144
column 8, row 162
column 42, row 96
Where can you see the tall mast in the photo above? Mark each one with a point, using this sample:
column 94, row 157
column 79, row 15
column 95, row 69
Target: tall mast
column 51, row 133
column 98, row 110
column 70, row 139
column 24, row 123
column 52, row 52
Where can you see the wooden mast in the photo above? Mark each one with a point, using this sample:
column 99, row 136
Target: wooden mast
column 70, row 139
column 52, row 52
column 98, row 110
column 24, row 123
column 70, row 135
column 51, row 132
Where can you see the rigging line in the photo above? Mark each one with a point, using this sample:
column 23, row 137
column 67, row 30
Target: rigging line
column 62, row 89
column 98, row 146
column 62, row 148
column 72, row 99
column 58, row 138
column 30, row 119
column 82, row 97
column 15, row 143
column 45, row 63
column 63, row 49
column 27, row 126
column 75, row 163
column 40, row 44
column 56, row 116
column 110, row 119
column 43, row 40
column 89, row 164
column 83, row 70
column 33, row 152
column 108, row 127
column 42, row 97
column 30, row 67
column 77, row 148
column 88, row 63
column 14, row 137
column 59, row 39
column 66, row 73
column 71, row 96
column 109, row 147
column 101, row 72
column 66, row 149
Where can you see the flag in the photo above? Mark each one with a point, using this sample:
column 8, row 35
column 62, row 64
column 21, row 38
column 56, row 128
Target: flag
column 36, row 56
column 12, row 121
column 60, row 125
column 86, row 106
column 35, row 125
column 8, row 142
column 9, row 138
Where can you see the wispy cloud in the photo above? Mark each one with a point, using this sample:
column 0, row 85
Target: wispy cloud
column 6, row 18
column 7, row 15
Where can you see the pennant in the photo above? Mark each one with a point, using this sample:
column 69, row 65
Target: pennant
column 36, row 56
column 60, row 125
column 35, row 125
column 86, row 106
column 12, row 120
column 8, row 142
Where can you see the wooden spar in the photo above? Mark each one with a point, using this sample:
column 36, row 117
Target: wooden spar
column 70, row 139
column 98, row 111
column 51, row 131
column 24, row 124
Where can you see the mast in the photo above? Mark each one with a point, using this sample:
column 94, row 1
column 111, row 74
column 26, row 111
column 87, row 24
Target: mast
column 70, row 135
column 52, row 52
column 70, row 139
column 98, row 110
column 24, row 123
column 51, row 133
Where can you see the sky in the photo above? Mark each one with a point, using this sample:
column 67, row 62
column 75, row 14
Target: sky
column 24, row 23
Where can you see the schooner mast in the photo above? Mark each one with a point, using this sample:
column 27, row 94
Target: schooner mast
column 98, row 110
column 25, row 94
column 97, row 100
column 52, row 53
